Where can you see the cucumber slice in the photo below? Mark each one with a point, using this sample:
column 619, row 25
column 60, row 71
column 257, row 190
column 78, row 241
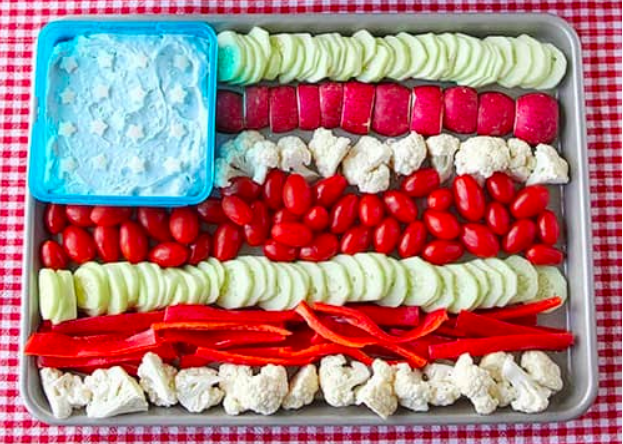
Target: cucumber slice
column 496, row 284
column 417, row 54
column 210, row 272
column 352, row 66
column 522, row 66
column 424, row 282
column 496, row 64
column 299, row 61
column 380, row 63
column 541, row 62
column 231, row 56
column 175, row 286
column 118, row 292
column 507, row 52
column 301, row 284
column 248, row 67
column 152, row 289
column 450, row 42
column 402, row 60
column 340, row 54
column 558, row 68
column 288, row 47
column 274, row 62
column 442, row 60
column 466, row 288
column 483, row 282
column 262, row 37
column 283, row 292
column 259, row 279
column 204, row 283
column 131, row 280
column 193, row 283
column 551, row 283
column 310, row 49
column 318, row 282
column 50, row 293
column 463, row 55
column 323, row 62
column 509, row 277
column 388, row 270
column 355, row 275
column 271, row 278
column 480, row 71
column 399, row 288
column 220, row 271
column 92, row 291
column 331, row 46
column 367, row 43
column 478, row 62
column 238, row 285
column 67, row 309
column 448, row 292
column 374, row 275
column 432, row 49
column 527, row 279
column 260, row 62
column 338, row 285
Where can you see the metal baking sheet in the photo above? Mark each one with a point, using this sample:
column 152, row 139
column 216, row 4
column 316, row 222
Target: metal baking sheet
column 579, row 364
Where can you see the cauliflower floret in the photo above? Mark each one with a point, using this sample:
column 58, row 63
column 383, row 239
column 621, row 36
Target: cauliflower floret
column 64, row 391
column 442, row 390
column 408, row 153
column 196, row 388
column 378, row 392
column 328, row 151
column 365, row 166
column 522, row 160
column 549, row 167
column 303, row 388
column 262, row 156
column 531, row 397
column 476, row 384
column 224, row 173
column 542, row 369
column 493, row 363
column 246, row 139
column 262, row 393
column 482, row 156
column 412, row 391
column 114, row 393
column 338, row 380
column 295, row 156
column 158, row 380
column 375, row 181
column 442, row 149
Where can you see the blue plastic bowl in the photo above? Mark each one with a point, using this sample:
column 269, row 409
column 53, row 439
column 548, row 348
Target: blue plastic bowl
column 59, row 31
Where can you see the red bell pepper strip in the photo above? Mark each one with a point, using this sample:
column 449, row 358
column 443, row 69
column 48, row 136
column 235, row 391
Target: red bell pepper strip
column 530, row 320
column 411, row 356
column 219, row 326
column 483, row 346
column 517, row 311
column 431, row 323
column 220, row 339
column 482, row 326
column 182, row 313
column 121, row 323
column 403, row 316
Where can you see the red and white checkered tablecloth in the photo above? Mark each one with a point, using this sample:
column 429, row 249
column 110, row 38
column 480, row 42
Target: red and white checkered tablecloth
column 599, row 26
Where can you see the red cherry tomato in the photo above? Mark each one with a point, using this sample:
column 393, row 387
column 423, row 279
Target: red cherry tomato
column 78, row 244
column 386, row 236
column 400, row 206
column 501, row 187
column 106, row 216
column 53, row 256
column 541, row 254
column 244, row 188
column 272, row 192
column 322, row 248
column 317, row 218
column 133, row 242
column 440, row 199
column 256, row 232
column 549, row 230
column 297, row 196
column 420, row 183
column 184, row 225
column 442, row 225
column 237, row 210
column 519, row 237
column 479, row 240
column 275, row 251
column 169, row 254
column 530, row 202
column 200, row 249
column 156, row 223
column 54, row 218
column 328, row 191
column 469, row 198
column 284, row 215
column 440, row 252
column 79, row 215
column 227, row 241
column 344, row 213
column 371, row 210
column 293, row 234
column 497, row 218
column 211, row 211
column 412, row 240
column 356, row 240
column 107, row 243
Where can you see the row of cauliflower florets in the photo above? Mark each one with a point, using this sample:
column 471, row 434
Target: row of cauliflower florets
column 367, row 163
column 496, row 382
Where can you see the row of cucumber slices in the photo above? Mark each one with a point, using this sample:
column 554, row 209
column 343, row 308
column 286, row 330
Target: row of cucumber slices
column 255, row 281
column 466, row 60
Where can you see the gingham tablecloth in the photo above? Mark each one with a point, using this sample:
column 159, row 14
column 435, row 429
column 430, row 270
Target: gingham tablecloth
column 599, row 26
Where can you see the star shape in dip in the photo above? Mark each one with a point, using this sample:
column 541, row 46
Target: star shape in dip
column 69, row 64
column 101, row 91
column 177, row 130
column 104, row 60
column 141, row 60
column 66, row 129
column 135, row 132
column 180, row 62
column 136, row 165
column 172, row 165
column 98, row 127
column 177, row 94
column 100, row 162
column 67, row 96
column 138, row 94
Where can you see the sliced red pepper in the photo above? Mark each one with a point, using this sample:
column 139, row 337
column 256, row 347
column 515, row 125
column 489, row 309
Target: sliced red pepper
column 420, row 346
column 217, row 326
column 483, row 346
column 530, row 320
column 220, row 339
column 121, row 323
column 403, row 316
column 411, row 356
column 482, row 326
column 517, row 311
column 431, row 323
column 179, row 313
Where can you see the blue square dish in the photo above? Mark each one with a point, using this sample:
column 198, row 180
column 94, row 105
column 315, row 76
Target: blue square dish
column 48, row 182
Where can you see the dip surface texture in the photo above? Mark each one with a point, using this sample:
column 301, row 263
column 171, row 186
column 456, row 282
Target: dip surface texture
column 127, row 115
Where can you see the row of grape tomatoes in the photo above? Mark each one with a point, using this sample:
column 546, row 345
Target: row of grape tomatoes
column 291, row 219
